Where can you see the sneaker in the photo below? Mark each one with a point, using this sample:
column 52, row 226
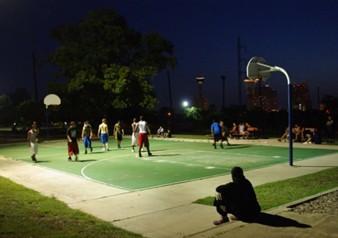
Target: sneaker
column 232, row 217
column 150, row 154
column 76, row 159
column 69, row 159
column 221, row 221
column 33, row 158
column 86, row 151
column 91, row 149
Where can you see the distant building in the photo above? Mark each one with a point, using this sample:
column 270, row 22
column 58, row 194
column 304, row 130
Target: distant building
column 261, row 96
column 200, row 100
column 301, row 99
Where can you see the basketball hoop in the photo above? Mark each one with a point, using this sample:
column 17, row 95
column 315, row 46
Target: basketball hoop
column 51, row 99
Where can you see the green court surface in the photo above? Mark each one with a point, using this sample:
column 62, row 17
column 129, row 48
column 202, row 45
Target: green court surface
column 172, row 162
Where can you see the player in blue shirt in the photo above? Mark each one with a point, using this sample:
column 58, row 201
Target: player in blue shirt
column 216, row 133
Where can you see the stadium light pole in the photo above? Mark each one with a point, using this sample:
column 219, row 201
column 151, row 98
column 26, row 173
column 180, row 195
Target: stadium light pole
column 258, row 69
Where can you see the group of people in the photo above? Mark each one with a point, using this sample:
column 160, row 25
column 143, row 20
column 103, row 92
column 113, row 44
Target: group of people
column 242, row 130
column 161, row 132
column 301, row 134
column 308, row 135
column 235, row 200
column 139, row 137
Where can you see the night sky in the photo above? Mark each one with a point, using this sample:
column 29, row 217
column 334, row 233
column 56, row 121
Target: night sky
column 300, row 36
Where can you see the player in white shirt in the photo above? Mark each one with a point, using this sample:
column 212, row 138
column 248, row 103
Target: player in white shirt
column 143, row 136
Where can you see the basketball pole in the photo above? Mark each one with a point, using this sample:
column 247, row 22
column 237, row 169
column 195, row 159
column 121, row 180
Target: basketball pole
column 47, row 132
column 274, row 69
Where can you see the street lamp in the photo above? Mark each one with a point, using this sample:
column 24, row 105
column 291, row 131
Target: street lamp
column 258, row 69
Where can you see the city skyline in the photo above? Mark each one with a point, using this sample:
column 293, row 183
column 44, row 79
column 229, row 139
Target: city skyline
column 302, row 38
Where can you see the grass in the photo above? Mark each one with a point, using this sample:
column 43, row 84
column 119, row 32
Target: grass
column 26, row 213
column 282, row 192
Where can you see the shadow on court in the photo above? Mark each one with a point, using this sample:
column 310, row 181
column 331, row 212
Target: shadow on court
column 42, row 161
column 315, row 166
column 97, row 152
column 165, row 155
column 236, row 146
column 86, row 160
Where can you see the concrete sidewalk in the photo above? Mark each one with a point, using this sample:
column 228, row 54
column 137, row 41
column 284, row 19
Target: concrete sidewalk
column 168, row 211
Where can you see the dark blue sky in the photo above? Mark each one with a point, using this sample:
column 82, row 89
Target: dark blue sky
column 300, row 36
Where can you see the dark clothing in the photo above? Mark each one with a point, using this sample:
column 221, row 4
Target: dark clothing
column 87, row 130
column 72, row 133
column 239, row 199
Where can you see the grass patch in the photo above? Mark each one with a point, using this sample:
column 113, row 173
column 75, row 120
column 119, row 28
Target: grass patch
column 26, row 213
column 282, row 192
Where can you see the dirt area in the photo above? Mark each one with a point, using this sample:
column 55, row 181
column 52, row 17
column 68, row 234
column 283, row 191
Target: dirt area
column 327, row 204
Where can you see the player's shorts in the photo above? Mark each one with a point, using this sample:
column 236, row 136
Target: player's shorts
column 87, row 142
column 133, row 139
column 34, row 148
column 119, row 136
column 73, row 148
column 104, row 138
column 217, row 137
column 143, row 139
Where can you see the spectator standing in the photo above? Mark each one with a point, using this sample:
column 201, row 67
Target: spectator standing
column 330, row 129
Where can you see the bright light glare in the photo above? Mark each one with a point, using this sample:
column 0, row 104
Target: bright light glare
column 185, row 103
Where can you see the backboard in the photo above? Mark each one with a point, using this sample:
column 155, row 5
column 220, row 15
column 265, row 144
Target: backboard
column 51, row 99
column 256, row 71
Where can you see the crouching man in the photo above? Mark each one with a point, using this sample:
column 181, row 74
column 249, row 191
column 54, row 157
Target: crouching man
column 236, row 200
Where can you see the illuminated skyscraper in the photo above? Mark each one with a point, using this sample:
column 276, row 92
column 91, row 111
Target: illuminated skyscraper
column 301, row 96
column 261, row 96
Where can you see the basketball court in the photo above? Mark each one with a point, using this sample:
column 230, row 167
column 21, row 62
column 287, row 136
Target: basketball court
column 172, row 161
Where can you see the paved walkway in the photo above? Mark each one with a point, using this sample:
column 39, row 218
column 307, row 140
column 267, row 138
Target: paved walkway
column 168, row 211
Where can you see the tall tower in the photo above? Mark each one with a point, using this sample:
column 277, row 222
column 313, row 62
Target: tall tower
column 240, row 71
column 201, row 100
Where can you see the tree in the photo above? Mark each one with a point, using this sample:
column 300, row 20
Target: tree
column 331, row 103
column 102, row 53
